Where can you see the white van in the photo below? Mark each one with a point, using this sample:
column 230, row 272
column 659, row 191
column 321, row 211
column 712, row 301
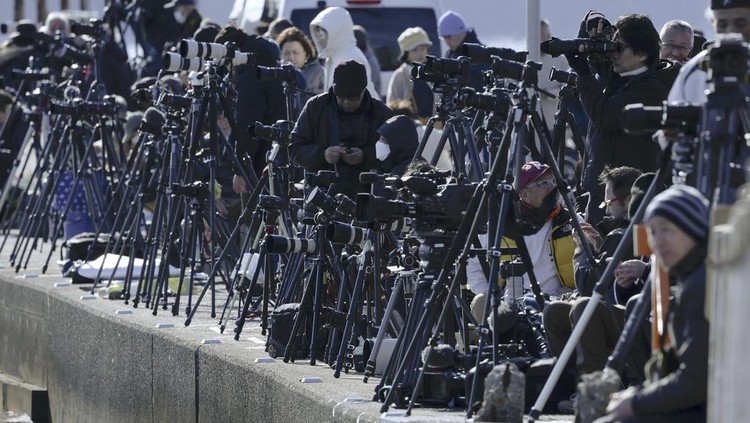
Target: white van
column 383, row 19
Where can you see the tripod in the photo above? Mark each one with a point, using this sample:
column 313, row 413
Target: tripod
column 456, row 131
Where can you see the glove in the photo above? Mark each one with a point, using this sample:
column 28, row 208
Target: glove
column 332, row 154
column 589, row 25
column 354, row 157
column 579, row 64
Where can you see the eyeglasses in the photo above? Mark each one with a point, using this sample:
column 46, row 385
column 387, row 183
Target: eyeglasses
column 547, row 183
column 676, row 47
column 608, row 202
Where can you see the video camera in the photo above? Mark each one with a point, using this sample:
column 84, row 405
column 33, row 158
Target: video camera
column 436, row 207
column 281, row 131
column 443, row 71
column 639, row 119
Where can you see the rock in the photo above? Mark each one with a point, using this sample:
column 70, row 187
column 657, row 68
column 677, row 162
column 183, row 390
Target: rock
column 504, row 390
column 594, row 391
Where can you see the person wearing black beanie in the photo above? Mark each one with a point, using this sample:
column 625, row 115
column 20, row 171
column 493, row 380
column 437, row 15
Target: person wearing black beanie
column 678, row 230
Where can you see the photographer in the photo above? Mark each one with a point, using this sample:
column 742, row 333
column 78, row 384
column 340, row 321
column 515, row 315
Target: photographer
column 638, row 76
column 453, row 30
column 337, row 130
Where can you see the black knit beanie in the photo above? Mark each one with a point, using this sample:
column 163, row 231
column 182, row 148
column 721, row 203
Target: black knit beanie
column 349, row 79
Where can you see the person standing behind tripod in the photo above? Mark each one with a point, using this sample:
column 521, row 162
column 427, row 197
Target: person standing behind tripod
column 336, row 130
column 414, row 44
column 638, row 77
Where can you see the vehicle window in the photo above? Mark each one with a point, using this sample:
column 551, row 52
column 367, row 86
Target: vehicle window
column 383, row 24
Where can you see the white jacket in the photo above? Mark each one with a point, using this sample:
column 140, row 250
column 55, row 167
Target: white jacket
column 342, row 45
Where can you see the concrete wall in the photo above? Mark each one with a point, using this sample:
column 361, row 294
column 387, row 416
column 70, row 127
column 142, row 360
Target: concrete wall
column 102, row 367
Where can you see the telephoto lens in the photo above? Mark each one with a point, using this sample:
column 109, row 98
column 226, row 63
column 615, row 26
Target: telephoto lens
column 191, row 48
column 482, row 54
column 276, row 244
column 173, row 62
column 341, row 233
column 563, row 77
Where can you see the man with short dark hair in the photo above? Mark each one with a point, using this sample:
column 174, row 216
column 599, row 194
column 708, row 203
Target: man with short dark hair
column 337, row 130
column 638, row 77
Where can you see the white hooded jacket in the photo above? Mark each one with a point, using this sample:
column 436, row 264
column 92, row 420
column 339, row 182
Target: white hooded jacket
column 342, row 45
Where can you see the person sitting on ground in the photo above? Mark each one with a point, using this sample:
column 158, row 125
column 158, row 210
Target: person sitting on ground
column 678, row 227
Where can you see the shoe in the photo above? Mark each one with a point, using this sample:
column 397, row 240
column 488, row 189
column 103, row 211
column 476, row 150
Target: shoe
column 568, row 406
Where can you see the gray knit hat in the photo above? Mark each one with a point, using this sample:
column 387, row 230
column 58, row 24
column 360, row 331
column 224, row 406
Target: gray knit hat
column 684, row 206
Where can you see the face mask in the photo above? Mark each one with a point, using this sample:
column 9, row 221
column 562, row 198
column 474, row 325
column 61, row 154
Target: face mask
column 382, row 150
column 179, row 17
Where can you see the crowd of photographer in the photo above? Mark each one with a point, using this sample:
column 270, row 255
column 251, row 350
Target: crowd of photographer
column 503, row 199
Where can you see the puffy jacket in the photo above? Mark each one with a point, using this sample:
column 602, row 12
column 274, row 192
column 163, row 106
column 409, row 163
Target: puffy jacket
column 561, row 246
column 342, row 45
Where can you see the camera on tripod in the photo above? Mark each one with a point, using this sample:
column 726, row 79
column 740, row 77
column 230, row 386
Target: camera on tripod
column 443, row 71
column 502, row 68
column 563, row 77
column 94, row 28
column 284, row 73
column 276, row 244
column 436, row 208
column 212, row 51
column 339, row 204
column 497, row 100
column 281, row 131
column 639, row 119
column 195, row 190
column 727, row 58
column 482, row 54
column 79, row 107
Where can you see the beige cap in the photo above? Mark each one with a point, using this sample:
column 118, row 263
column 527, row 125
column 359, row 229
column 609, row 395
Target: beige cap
column 413, row 37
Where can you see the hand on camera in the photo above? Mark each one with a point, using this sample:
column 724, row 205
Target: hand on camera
column 579, row 63
column 332, row 154
column 353, row 156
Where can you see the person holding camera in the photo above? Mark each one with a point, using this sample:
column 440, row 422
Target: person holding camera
column 337, row 130
column 677, row 223
column 637, row 76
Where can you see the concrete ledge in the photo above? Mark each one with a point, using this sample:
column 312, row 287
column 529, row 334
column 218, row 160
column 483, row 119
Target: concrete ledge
column 100, row 365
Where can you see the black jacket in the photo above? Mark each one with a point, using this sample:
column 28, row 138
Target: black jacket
column 317, row 128
column 686, row 387
column 258, row 101
column 608, row 143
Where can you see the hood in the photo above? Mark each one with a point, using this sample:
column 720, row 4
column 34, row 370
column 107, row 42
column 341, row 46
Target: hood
column 267, row 52
column 338, row 23
column 401, row 133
